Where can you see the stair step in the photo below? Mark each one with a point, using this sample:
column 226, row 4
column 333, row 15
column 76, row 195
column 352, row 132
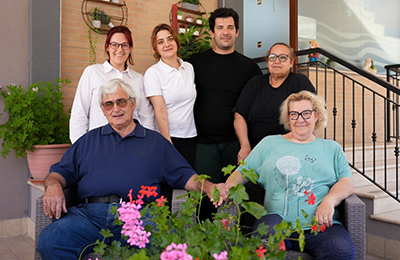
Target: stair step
column 368, row 153
column 381, row 201
column 390, row 217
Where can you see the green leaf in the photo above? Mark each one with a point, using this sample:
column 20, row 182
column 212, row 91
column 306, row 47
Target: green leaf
column 254, row 209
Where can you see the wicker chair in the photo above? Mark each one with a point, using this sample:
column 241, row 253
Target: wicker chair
column 352, row 210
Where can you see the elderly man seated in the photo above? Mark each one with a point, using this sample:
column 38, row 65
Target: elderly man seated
column 106, row 163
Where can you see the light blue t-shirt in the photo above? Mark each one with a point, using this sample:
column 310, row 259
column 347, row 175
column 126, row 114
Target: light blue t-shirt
column 286, row 169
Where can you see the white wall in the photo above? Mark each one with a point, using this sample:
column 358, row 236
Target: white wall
column 353, row 29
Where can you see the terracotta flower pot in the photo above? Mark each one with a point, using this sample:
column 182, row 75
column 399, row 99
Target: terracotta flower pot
column 43, row 156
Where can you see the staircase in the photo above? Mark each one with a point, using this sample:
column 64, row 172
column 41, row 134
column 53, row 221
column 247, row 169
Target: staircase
column 383, row 212
column 358, row 107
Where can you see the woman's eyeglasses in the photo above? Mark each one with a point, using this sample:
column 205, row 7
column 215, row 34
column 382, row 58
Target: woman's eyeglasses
column 122, row 102
column 306, row 114
column 115, row 45
column 281, row 57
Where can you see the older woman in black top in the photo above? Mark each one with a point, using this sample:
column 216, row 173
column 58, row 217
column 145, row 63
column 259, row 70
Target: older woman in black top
column 257, row 109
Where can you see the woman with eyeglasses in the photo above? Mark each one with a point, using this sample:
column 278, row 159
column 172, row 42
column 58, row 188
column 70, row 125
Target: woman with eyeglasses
column 297, row 167
column 169, row 85
column 86, row 113
column 257, row 108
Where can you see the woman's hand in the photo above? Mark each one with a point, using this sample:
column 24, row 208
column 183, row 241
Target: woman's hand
column 324, row 213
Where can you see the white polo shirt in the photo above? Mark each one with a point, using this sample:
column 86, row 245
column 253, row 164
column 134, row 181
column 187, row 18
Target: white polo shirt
column 179, row 92
column 86, row 113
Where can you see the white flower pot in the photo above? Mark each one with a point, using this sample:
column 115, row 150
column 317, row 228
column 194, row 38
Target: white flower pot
column 189, row 19
column 196, row 33
column 182, row 30
column 116, row 1
column 110, row 25
column 198, row 21
column 179, row 17
column 96, row 23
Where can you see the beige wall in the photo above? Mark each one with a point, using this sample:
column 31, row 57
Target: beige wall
column 14, row 68
column 143, row 15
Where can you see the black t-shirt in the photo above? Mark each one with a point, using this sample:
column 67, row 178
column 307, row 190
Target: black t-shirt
column 259, row 104
column 219, row 81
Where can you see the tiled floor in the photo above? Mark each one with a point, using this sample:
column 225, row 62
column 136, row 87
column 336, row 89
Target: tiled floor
column 17, row 248
column 22, row 248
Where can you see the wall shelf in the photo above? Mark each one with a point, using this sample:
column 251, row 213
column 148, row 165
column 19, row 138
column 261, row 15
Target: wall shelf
column 117, row 12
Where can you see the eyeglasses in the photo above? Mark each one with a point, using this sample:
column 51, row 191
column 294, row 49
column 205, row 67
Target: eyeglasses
column 281, row 57
column 122, row 102
column 306, row 114
column 115, row 45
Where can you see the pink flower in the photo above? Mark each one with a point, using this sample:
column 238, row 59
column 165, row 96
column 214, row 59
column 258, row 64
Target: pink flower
column 222, row 256
column 161, row 201
column 261, row 251
column 282, row 245
column 225, row 222
column 175, row 252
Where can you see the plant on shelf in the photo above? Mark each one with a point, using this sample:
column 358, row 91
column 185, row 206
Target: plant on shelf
column 195, row 2
column 191, row 44
column 106, row 19
column 175, row 234
column 35, row 117
column 96, row 22
column 191, row 4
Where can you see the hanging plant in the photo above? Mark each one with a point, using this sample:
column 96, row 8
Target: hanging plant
column 92, row 43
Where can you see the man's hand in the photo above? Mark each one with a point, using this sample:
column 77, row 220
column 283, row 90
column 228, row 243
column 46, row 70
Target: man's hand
column 223, row 189
column 53, row 198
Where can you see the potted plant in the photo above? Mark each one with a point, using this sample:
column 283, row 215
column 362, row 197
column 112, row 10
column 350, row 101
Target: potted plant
column 179, row 15
column 96, row 22
column 106, row 19
column 191, row 4
column 178, row 236
column 372, row 68
column 191, row 43
column 36, row 118
column 331, row 63
column 199, row 20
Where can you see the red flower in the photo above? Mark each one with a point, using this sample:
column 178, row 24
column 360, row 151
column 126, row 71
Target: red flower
column 161, row 201
column 314, row 227
column 282, row 245
column 148, row 191
column 260, row 252
column 322, row 229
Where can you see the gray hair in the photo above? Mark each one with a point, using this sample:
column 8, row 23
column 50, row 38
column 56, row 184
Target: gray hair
column 112, row 86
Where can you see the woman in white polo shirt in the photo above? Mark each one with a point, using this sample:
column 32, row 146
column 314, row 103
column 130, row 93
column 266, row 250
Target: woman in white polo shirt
column 169, row 85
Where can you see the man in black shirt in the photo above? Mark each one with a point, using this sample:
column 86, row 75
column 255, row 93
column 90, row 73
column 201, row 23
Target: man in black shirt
column 220, row 75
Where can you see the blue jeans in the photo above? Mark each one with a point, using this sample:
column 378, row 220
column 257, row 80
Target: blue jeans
column 68, row 236
column 334, row 243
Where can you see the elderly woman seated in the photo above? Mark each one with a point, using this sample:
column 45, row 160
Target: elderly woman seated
column 290, row 164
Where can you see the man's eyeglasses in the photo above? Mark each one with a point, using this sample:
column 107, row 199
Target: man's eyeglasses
column 281, row 57
column 306, row 114
column 122, row 102
column 115, row 45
